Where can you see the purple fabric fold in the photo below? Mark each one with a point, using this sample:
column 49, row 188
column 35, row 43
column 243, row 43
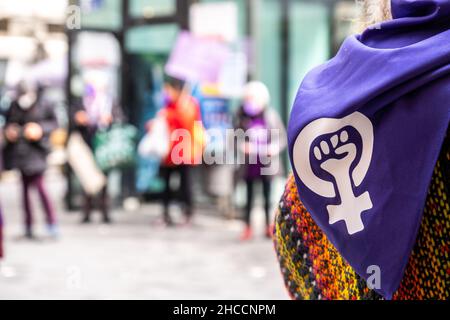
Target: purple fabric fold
column 365, row 132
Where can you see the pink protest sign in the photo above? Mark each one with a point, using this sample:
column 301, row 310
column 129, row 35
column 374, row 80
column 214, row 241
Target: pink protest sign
column 197, row 59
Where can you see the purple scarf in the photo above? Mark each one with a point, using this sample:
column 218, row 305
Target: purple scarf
column 365, row 133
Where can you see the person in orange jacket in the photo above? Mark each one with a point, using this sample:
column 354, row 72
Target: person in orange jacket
column 183, row 116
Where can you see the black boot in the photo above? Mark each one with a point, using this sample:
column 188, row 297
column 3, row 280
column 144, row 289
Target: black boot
column 106, row 218
column 86, row 219
column 167, row 219
column 29, row 233
column 87, row 208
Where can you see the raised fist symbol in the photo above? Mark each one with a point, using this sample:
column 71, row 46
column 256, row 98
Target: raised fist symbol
column 351, row 206
column 336, row 155
column 327, row 148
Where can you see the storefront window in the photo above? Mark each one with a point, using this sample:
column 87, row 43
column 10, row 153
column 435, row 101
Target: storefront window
column 102, row 14
column 152, row 8
column 151, row 39
column 309, row 30
column 88, row 58
column 267, row 47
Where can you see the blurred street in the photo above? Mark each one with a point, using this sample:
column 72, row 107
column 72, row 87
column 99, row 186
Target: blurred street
column 145, row 145
column 151, row 104
column 134, row 258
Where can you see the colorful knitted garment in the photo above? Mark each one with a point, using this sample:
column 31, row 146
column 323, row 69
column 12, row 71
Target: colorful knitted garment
column 313, row 269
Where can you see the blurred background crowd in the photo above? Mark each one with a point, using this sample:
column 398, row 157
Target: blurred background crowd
column 84, row 83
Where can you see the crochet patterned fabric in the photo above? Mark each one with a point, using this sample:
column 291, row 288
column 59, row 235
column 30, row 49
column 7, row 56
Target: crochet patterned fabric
column 313, row 269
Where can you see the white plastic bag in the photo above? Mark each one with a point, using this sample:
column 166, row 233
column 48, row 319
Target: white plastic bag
column 156, row 142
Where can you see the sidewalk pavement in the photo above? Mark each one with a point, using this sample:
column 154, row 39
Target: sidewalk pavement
column 134, row 258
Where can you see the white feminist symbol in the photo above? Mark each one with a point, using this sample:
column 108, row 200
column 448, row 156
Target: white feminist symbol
column 336, row 156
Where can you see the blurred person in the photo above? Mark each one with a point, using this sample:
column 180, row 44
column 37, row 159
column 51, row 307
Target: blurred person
column 182, row 113
column 1, row 235
column 258, row 119
column 96, row 110
column 29, row 123
column 391, row 71
column 1, row 214
column 2, row 140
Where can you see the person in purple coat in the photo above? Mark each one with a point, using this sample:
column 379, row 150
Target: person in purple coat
column 260, row 150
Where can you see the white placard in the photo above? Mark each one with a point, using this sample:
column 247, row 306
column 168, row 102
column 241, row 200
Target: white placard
column 219, row 20
column 99, row 49
column 233, row 75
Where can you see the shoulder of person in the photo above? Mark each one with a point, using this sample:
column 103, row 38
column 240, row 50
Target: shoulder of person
column 14, row 105
column 13, row 109
column 271, row 114
column 193, row 102
column 239, row 112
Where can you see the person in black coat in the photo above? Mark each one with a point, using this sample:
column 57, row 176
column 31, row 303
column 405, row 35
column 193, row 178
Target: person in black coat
column 29, row 123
